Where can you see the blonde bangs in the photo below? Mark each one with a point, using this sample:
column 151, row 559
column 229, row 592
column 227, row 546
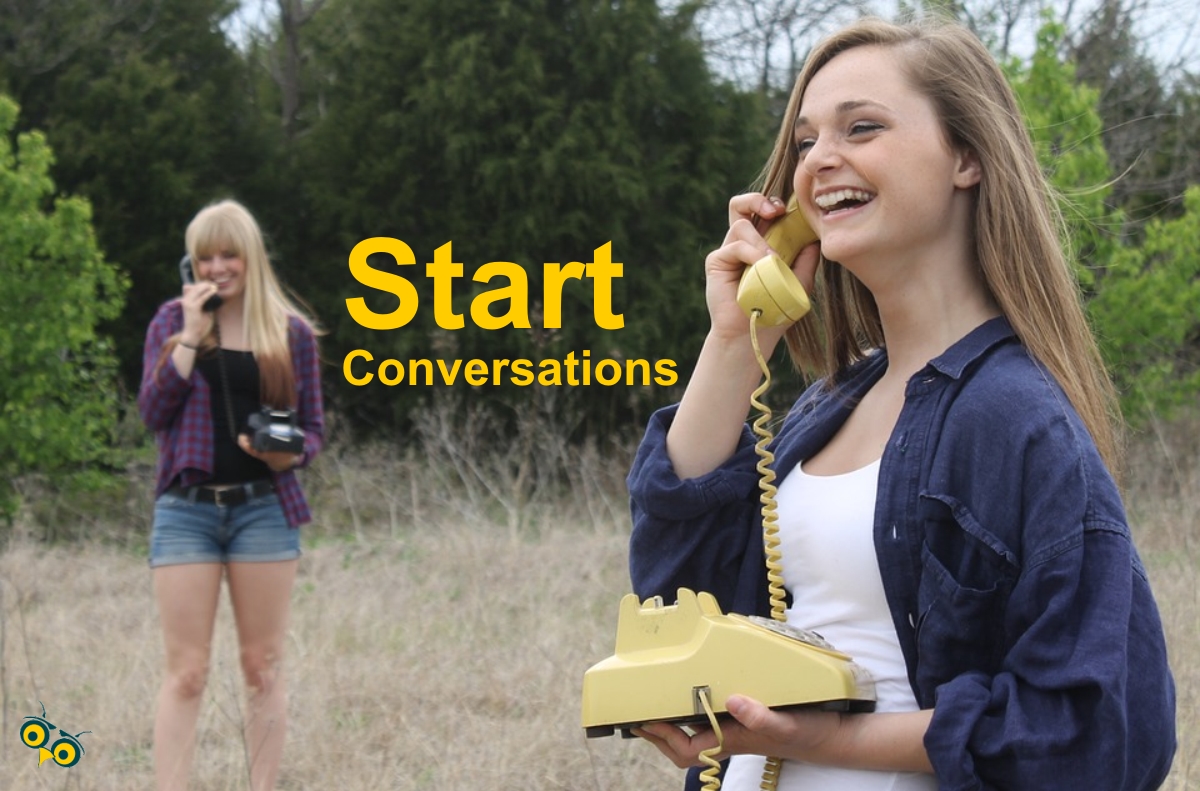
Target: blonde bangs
column 214, row 231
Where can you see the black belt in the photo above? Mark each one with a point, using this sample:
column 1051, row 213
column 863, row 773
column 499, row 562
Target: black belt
column 228, row 496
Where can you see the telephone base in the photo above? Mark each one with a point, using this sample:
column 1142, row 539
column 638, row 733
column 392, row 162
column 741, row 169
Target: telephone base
column 668, row 656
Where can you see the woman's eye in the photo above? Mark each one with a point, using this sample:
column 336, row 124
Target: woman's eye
column 863, row 127
column 803, row 145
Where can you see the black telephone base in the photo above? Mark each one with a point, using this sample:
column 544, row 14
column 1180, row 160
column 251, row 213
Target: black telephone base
column 847, row 706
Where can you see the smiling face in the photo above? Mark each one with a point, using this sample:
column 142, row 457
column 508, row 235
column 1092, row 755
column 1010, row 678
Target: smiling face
column 877, row 177
column 227, row 248
column 225, row 267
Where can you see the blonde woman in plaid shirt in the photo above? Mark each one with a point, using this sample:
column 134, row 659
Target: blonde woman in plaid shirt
column 224, row 509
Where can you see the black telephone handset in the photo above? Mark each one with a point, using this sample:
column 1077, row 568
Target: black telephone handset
column 188, row 276
column 769, row 286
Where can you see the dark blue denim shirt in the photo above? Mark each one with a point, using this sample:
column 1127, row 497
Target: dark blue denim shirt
column 1021, row 606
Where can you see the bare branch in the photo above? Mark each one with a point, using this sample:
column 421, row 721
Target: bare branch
column 743, row 37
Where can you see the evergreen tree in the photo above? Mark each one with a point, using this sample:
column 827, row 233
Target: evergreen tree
column 1130, row 101
column 1148, row 314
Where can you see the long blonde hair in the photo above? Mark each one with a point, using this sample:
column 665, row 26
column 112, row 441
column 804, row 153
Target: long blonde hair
column 1018, row 231
column 228, row 226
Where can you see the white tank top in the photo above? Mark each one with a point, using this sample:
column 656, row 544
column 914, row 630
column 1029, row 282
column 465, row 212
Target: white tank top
column 826, row 526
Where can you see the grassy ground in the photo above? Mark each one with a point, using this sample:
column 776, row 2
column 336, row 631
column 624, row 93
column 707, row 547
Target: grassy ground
column 441, row 627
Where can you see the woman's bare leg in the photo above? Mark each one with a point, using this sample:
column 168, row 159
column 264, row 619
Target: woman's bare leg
column 187, row 597
column 261, row 595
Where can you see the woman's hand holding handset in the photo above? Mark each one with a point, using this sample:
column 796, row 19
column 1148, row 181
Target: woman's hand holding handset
column 197, row 323
column 749, row 217
column 709, row 421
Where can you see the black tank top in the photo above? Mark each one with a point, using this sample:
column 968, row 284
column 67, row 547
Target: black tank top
column 231, row 464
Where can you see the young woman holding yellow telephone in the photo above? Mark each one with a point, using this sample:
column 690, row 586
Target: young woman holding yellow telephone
column 947, row 505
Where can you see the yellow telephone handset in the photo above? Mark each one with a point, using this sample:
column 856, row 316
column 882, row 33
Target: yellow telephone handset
column 769, row 285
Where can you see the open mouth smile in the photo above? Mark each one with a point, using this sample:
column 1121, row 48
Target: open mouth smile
column 842, row 200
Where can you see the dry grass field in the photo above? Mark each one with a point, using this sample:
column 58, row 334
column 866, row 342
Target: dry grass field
column 442, row 621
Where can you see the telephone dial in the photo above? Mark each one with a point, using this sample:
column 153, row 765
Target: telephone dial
column 679, row 663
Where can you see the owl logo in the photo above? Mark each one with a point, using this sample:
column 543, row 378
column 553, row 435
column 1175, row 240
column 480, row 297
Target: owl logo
column 36, row 732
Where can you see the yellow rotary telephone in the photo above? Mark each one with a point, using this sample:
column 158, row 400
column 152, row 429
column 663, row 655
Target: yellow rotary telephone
column 669, row 656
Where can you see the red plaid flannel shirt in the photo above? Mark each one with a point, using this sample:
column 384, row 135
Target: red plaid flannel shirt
column 178, row 410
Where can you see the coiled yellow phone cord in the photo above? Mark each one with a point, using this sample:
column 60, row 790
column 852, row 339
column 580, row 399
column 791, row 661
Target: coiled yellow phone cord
column 766, row 482
column 770, row 516
column 709, row 776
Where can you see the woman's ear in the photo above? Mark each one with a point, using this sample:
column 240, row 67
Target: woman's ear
column 967, row 171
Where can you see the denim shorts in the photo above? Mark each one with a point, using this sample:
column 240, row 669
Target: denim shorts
column 255, row 531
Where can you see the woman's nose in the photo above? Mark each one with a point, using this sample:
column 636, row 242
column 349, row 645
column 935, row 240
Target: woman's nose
column 822, row 154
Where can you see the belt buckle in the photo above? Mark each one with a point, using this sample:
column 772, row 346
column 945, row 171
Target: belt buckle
column 220, row 495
